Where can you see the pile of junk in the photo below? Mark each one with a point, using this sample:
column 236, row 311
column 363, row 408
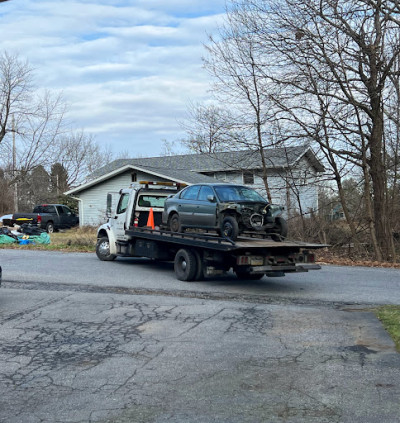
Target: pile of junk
column 23, row 234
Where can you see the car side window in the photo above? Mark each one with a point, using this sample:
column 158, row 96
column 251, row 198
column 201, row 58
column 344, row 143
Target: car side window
column 190, row 193
column 123, row 203
column 205, row 191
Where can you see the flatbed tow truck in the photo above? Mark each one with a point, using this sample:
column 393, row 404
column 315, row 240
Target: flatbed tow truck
column 195, row 255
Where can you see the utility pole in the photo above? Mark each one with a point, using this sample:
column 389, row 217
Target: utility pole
column 14, row 165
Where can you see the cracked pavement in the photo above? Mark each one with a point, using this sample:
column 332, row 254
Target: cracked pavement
column 73, row 354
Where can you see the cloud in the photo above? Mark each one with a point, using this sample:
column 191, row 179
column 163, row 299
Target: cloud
column 127, row 68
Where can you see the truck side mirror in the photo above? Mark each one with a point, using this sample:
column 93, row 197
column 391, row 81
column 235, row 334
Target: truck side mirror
column 109, row 205
column 211, row 198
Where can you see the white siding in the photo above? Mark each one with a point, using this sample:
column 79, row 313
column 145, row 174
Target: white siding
column 294, row 190
column 92, row 204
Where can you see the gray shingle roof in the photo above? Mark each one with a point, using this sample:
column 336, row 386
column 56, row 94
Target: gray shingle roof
column 222, row 161
column 186, row 176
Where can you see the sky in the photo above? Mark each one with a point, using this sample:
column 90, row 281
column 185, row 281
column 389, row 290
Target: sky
column 128, row 69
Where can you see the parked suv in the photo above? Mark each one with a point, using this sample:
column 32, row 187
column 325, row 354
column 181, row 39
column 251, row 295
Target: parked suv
column 228, row 209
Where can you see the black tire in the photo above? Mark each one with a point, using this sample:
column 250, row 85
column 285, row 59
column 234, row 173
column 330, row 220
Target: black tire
column 50, row 227
column 199, row 276
column 185, row 265
column 229, row 228
column 248, row 276
column 103, row 249
column 281, row 229
column 174, row 223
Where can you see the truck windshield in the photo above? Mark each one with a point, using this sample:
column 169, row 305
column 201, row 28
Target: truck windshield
column 238, row 193
column 151, row 201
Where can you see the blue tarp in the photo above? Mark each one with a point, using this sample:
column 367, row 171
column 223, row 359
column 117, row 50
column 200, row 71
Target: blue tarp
column 43, row 238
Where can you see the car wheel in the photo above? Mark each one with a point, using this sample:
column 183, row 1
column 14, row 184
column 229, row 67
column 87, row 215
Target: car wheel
column 174, row 223
column 229, row 228
column 103, row 250
column 246, row 275
column 50, row 227
column 185, row 265
column 281, row 229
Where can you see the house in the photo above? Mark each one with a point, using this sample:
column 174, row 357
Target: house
column 292, row 174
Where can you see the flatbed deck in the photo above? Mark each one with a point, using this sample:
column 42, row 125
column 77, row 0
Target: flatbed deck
column 213, row 241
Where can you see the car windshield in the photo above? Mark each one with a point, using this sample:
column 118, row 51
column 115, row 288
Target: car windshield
column 227, row 193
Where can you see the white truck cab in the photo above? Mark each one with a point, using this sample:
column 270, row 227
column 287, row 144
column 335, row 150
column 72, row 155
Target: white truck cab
column 133, row 208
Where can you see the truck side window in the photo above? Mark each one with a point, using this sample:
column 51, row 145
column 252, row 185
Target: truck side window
column 60, row 210
column 123, row 203
column 48, row 209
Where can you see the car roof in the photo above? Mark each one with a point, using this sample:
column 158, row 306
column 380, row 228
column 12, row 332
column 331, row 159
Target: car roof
column 219, row 184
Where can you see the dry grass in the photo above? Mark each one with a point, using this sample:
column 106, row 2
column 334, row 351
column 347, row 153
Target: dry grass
column 390, row 317
column 76, row 239
column 81, row 238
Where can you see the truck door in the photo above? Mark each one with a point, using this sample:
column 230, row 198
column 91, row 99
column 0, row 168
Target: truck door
column 119, row 220
column 70, row 218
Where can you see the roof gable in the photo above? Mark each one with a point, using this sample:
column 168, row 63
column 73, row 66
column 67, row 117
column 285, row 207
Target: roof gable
column 186, row 177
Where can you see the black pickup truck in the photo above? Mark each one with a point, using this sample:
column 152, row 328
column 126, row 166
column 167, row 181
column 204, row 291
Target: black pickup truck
column 50, row 217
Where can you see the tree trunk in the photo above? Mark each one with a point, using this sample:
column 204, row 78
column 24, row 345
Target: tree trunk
column 377, row 171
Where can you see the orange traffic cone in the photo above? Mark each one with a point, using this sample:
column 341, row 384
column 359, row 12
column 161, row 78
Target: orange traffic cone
column 150, row 220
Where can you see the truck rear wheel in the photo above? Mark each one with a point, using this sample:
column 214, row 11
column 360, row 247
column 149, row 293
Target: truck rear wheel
column 185, row 265
column 199, row 276
column 103, row 250
column 50, row 227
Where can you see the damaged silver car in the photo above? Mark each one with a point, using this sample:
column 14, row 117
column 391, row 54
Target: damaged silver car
column 230, row 210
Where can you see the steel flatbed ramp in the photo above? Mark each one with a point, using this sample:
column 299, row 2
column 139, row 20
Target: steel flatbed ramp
column 213, row 241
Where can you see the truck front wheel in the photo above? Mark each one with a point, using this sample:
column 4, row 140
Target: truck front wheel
column 103, row 250
column 185, row 265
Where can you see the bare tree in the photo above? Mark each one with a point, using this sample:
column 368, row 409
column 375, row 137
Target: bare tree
column 34, row 133
column 239, row 68
column 15, row 92
column 340, row 52
column 80, row 155
column 209, row 129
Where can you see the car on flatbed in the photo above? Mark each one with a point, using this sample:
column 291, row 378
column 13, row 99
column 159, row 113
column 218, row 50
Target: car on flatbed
column 226, row 208
column 134, row 229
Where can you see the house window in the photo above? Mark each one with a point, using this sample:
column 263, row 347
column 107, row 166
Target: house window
column 221, row 176
column 248, row 178
column 133, row 177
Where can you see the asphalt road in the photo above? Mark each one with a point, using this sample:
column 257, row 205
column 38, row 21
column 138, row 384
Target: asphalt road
column 89, row 341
